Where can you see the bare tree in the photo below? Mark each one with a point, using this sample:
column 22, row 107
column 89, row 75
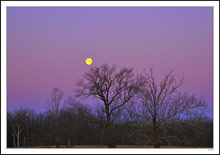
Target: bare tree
column 70, row 121
column 163, row 102
column 54, row 102
column 56, row 96
column 113, row 88
column 19, row 121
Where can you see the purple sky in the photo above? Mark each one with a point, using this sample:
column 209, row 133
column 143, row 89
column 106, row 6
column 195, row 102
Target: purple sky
column 47, row 47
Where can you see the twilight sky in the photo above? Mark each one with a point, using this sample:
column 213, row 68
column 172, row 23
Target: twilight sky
column 47, row 47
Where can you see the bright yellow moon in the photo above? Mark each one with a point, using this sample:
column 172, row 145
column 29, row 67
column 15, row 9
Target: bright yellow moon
column 89, row 61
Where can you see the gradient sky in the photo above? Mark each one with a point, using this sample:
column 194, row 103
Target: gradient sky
column 47, row 47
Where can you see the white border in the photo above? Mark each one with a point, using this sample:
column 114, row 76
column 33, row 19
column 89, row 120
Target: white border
column 109, row 3
column 214, row 4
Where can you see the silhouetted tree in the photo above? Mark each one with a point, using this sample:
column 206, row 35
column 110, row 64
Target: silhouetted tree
column 162, row 102
column 74, row 119
column 54, row 102
column 113, row 88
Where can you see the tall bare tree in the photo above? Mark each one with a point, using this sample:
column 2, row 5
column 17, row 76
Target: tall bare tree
column 114, row 88
column 162, row 102
column 54, row 102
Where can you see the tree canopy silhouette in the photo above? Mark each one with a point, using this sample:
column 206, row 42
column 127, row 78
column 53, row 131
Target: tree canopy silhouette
column 114, row 88
column 162, row 102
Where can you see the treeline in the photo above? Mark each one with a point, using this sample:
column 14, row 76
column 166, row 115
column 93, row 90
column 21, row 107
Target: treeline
column 132, row 110
column 78, row 125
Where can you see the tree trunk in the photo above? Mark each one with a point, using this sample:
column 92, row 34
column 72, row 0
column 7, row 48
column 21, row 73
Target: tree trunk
column 13, row 135
column 108, row 125
column 109, row 145
column 56, row 130
column 68, row 143
column 18, row 136
column 155, row 134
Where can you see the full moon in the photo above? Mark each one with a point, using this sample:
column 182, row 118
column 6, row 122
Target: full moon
column 89, row 61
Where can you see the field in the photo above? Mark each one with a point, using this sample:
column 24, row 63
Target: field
column 119, row 146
